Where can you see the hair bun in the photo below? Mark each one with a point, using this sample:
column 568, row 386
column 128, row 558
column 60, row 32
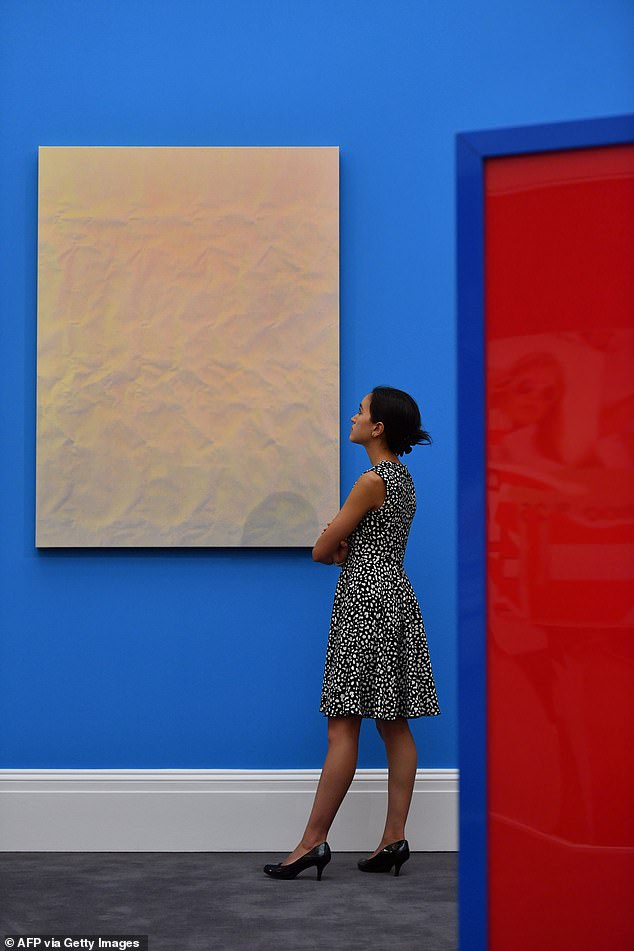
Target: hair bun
column 400, row 416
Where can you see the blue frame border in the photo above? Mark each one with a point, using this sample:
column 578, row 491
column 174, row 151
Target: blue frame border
column 472, row 149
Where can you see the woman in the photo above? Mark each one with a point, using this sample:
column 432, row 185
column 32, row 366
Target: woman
column 377, row 661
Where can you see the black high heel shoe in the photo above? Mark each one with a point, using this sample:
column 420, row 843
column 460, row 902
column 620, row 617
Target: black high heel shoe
column 319, row 856
column 393, row 854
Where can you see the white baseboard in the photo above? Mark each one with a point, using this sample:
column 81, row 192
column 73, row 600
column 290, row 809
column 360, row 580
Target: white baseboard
column 210, row 810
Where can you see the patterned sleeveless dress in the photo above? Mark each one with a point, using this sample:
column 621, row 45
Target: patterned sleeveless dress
column 377, row 660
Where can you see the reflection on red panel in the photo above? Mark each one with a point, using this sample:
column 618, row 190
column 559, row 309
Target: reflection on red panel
column 559, row 247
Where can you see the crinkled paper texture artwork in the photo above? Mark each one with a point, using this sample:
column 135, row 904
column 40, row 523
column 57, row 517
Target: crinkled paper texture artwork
column 187, row 346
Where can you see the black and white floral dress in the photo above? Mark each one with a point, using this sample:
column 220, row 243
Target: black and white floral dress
column 377, row 660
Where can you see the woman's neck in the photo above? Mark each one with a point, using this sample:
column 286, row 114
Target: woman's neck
column 380, row 454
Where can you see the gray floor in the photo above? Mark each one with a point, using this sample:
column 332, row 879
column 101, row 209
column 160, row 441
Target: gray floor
column 194, row 901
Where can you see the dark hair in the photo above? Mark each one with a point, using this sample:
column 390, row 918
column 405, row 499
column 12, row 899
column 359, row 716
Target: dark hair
column 401, row 418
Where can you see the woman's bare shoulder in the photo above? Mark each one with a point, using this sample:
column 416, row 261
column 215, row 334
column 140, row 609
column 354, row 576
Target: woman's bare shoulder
column 370, row 477
column 374, row 485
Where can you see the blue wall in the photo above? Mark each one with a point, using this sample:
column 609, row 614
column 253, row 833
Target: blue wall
column 214, row 658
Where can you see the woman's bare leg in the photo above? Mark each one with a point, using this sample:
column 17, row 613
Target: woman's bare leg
column 402, row 761
column 336, row 776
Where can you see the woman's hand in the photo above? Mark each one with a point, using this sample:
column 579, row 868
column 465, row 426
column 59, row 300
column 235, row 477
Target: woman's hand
column 341, row 554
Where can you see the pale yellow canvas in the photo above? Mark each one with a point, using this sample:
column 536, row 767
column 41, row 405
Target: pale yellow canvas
column 187, row 346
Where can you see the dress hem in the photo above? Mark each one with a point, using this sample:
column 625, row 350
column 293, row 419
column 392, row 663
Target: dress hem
column 375, row 716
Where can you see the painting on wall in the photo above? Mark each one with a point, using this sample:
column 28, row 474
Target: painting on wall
column 187, row 346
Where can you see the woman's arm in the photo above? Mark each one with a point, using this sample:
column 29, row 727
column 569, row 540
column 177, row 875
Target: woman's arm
column 367, row 493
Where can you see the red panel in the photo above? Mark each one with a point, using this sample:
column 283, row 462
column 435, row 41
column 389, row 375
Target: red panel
column 559, row 247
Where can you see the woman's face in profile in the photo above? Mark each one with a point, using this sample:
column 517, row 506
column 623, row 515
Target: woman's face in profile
column 362, row 425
